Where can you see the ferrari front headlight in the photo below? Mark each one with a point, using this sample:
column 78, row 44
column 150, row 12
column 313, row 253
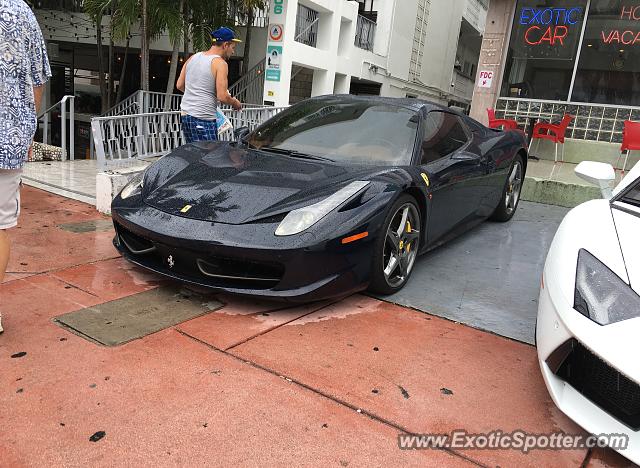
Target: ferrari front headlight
column 133, row 186
column 600, row 294
column 303, row 218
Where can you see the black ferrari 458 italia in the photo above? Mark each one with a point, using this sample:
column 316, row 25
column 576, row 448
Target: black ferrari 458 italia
column 333, row 195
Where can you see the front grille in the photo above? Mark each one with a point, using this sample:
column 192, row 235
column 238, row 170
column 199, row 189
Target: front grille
column 134, row 243
column 612, row 391
column 200, row 266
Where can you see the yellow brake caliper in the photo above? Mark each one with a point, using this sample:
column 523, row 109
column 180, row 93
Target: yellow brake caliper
column 409, row 231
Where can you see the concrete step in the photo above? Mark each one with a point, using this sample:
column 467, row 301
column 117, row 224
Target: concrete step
column 557, row 184
column 554, row 192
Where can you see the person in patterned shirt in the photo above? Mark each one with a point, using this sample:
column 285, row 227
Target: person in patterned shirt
column 24, row 70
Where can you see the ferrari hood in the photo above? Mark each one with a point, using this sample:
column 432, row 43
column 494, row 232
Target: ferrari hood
column 233, row 185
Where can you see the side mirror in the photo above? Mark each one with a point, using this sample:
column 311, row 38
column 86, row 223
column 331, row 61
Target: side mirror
column 240, row 133
column 597, row 173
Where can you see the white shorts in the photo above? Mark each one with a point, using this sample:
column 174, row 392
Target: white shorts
column 9, row 197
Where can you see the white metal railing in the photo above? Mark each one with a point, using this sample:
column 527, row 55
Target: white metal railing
column 260, row 16
column 307, row 25
column 144, row 102
column 123, row 140
column 594, row 122
column 365, row 33
column 250, row 87
column 129, row 105
column 66, row 104
column 157, row 102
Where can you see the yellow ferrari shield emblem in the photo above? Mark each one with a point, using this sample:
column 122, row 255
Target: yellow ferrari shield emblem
column 185, row 209
column 425, row 178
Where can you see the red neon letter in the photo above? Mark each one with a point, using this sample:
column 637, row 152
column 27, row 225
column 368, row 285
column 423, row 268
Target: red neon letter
column 558, row 36
column 547, row 36
column 526, row 35
column 626, row 12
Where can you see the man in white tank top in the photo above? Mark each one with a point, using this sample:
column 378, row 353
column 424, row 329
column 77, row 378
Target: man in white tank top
column 204, row 80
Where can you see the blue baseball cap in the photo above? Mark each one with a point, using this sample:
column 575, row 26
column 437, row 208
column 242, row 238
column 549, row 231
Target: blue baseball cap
column 224, row 35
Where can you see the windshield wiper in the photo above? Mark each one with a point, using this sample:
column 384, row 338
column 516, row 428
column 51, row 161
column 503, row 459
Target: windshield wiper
column 293, row 153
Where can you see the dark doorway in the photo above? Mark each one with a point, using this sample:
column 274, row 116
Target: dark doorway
column 364, row 88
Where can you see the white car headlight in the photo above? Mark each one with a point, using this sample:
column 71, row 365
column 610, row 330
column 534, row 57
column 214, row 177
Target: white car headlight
column 303, row 218
column 600, row 294
column 133, row 186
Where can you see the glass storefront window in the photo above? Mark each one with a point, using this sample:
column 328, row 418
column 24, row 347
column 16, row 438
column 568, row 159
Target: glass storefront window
column 543, row 48
column 609, row 67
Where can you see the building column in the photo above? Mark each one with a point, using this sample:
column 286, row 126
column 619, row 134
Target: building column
column 278, row 80
column 493, row 56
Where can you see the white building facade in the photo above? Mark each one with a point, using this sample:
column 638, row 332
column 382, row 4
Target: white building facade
column 397, row 48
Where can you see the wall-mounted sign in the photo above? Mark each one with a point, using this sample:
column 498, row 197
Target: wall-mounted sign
column 626, row 34
column 549, row 25
column 274, row 60
column 275, row 32
column 547, row 29
column 485, row 78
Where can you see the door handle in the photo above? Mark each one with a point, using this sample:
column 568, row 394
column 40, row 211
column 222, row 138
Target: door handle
column 464, row 156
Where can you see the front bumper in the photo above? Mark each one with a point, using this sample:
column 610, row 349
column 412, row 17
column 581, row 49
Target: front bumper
column 586, row 387
column 242, row 259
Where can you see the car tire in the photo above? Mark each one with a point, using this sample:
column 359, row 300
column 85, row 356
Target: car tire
column 511, row 192
column 399, row 240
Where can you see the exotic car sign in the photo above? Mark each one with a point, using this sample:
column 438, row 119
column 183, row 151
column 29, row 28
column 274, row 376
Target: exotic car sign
column 549, row 31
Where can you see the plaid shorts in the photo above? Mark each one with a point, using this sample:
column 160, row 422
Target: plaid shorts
column 198, row 130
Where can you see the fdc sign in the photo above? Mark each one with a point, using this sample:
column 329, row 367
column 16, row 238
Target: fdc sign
column 485, row 79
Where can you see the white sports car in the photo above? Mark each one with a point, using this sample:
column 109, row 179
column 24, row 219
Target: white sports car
column 588, row 327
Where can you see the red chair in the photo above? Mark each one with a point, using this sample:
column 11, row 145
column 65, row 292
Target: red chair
column 504, row 123
column 553, row 132
column 630, row 140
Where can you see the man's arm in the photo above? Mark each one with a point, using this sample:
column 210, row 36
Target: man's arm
column 220, row 71
column 183, row 75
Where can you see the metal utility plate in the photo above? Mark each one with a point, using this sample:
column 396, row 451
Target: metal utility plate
column 123, row 320
column 95, row 225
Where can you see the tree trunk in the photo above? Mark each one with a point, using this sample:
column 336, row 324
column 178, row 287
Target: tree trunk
column 171, row 81
column 122, row 74
column 247, row 43
column 110, row 68
column 144, row 52
column 101, row 81
column 185, row 12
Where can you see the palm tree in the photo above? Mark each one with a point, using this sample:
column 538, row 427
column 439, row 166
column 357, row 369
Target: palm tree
column 144, row 47
column 246, row 9
column 194, row 18
column 124, row 13
column 96, row 10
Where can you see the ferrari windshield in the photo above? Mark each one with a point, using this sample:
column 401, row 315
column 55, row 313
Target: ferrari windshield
column 632, row 196
column 349, row 131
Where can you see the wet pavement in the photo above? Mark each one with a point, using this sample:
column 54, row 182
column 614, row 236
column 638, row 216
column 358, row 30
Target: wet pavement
column 488, row 278
column 251, row 383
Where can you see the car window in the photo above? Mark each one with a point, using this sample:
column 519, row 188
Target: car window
column 443, row 135
column 633, row 195
column 343, row 130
